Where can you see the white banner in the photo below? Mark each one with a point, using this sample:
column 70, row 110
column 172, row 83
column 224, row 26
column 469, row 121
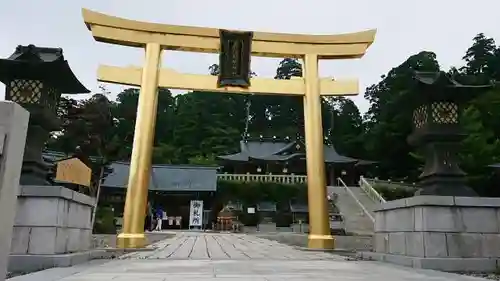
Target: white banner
column 196, row 213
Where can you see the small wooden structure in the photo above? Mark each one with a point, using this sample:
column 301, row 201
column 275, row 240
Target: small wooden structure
column 227, row 220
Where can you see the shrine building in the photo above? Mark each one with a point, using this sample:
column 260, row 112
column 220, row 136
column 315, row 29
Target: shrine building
column 171, row 187
column 284, row 160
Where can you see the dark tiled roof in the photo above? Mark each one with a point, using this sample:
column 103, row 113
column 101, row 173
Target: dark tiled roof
column 269, row 150
column 442, row 78
column 55, row 156
column 331, row 156
column 167, row 177
column 163, row 177
column 258, row 150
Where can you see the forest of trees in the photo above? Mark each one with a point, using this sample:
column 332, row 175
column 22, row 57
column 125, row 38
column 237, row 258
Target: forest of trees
column 197, row 126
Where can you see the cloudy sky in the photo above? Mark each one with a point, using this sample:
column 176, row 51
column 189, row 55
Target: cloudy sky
column 404, row 28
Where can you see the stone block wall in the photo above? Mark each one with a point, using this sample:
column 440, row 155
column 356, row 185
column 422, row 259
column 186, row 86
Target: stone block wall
column 439, row 232
column 13, row 127
column 51, row 220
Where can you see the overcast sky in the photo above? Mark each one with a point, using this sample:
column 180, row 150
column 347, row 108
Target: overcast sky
column 404, row 28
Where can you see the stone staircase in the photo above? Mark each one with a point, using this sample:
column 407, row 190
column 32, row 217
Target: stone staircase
column 356, row 219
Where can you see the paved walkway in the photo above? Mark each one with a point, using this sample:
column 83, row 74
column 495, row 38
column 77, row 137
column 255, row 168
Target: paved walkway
column 226, row 257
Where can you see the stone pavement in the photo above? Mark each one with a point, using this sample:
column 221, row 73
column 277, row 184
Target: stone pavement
column 226, row 257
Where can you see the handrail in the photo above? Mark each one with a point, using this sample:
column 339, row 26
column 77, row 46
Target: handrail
column 357, row 200
column 370, row 191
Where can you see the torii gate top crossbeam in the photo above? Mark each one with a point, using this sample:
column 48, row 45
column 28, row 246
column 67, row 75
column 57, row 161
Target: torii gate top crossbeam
column 110, row 29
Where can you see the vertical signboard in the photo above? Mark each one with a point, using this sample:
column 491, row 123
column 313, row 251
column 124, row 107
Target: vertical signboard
column 196, row 213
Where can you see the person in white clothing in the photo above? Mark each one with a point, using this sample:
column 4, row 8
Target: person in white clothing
column 159, row 219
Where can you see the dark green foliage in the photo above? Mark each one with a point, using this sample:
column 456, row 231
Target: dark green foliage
column 283, row 219
column 104, row 221
column 251, row 193
column 249, row 219
column 391, row 192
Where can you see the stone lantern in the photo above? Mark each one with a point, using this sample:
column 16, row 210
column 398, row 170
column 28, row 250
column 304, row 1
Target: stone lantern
column 35, row 78
column 436, row 130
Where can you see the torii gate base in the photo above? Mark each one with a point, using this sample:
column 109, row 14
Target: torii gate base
column 157, row 37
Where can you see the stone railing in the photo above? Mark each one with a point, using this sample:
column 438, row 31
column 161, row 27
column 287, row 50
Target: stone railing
column 285, row 179
column 391, row 183
column 370, row 191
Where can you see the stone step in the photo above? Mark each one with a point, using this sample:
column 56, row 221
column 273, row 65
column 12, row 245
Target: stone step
column 356, row 220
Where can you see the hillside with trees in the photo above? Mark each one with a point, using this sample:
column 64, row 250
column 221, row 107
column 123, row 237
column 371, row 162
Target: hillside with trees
column 197, row 126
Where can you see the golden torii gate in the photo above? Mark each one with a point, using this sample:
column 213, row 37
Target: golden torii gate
column 158, row 37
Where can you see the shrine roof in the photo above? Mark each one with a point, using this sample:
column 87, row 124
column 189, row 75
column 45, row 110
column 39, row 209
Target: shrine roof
column 163, row 177
column 167, row 177
column 275, row 150
column 56, row 156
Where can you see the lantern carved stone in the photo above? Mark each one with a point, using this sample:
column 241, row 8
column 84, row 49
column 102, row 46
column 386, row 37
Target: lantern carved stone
column 35, row 78
column 437, row 131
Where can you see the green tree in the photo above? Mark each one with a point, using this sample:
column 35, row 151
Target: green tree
column 479, row 149
column 347, row 128
column 389, row 119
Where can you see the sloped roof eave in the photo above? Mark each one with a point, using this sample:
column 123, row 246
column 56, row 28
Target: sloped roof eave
column 278, row 157
column 234, row 157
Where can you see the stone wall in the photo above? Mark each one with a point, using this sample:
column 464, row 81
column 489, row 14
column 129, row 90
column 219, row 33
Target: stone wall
column 13, row 128
column 439, row 232
column 50, row 221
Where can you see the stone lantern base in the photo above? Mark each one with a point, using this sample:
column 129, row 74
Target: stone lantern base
column 52, row 228
column 439, row 232
column 445, row 186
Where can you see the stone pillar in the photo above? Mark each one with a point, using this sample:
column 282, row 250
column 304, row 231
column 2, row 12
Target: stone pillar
column 13, row 128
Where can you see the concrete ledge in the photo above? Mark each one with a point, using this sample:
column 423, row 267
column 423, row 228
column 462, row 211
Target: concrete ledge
column 57, row 192
column 442, row 264
column 448, row 201
column 340, row 252
column 28, row 263
column 129, row 250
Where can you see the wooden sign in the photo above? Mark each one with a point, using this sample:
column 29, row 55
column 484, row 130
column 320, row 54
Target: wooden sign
column 73, row 171
column 234, row 59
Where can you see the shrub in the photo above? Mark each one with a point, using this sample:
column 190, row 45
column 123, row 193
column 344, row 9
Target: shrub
column 251, row 193
column 249, row 219
column 389, row 192
column 104, row 221
column 283, row 218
